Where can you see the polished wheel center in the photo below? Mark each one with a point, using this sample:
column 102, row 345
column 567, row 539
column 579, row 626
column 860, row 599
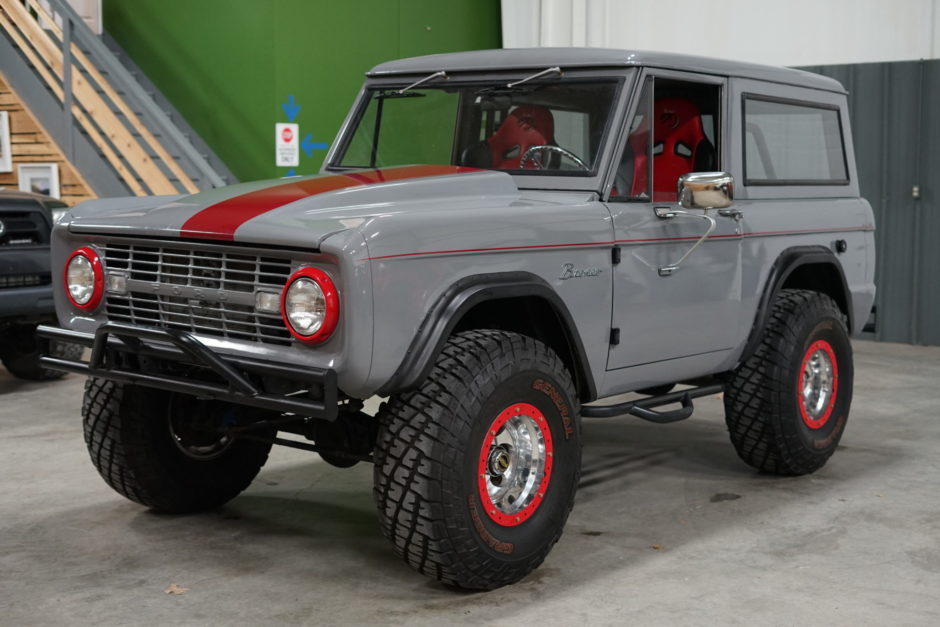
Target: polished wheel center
column 818, row 384
column 203, row 450
column 515, row 464
column 500, row 461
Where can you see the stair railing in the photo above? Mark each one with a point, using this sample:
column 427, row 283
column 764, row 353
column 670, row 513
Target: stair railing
column 55, row 42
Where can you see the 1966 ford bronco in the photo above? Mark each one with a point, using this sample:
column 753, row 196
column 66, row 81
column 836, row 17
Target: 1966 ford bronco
column 586, row 223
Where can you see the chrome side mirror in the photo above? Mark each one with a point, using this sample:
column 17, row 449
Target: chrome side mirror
column 706, row 190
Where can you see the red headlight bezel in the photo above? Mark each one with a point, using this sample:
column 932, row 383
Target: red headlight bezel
column 98, row 291
column 330, row 294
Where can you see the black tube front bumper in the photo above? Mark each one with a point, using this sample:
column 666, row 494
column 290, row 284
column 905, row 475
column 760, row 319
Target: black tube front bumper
column 179, row 347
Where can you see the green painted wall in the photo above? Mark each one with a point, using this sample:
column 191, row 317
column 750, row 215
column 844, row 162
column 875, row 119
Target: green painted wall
column 227, row 65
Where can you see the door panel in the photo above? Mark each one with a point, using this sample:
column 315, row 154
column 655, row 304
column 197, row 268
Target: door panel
column 677, row 120
column 691, row 312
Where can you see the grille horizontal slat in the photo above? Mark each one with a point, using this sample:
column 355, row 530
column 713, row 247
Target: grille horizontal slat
column 172, row 266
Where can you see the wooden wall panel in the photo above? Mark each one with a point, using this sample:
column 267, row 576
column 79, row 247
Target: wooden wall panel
column 30, row 143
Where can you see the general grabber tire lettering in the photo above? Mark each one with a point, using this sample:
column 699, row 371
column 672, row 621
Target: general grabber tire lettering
column 787, row 405
column 476, row 470
column 129, row 437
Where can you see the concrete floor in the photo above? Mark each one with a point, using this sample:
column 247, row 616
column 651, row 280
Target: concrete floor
column 669, row 528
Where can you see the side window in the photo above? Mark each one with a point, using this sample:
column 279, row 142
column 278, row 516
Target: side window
column 673, row 131
column 787, row 143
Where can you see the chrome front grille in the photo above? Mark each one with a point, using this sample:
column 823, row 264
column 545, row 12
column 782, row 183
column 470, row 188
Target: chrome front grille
column 207, row 290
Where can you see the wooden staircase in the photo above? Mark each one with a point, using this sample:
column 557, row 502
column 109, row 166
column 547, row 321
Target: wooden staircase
column 96, row 95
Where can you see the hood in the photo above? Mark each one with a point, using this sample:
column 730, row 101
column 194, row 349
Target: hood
column 300, row 211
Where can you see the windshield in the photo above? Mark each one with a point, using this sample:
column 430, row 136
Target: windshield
column 549, row 128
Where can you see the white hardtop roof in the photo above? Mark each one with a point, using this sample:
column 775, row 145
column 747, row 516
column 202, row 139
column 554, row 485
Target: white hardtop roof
column 570, row 58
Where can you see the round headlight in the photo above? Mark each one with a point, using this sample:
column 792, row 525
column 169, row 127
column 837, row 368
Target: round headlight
column 84, row 279
column 306, row 307
column 310, row 305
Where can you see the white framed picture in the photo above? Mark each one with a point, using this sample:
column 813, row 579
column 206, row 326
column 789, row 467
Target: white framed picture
column 6, row 157
column 39, row 178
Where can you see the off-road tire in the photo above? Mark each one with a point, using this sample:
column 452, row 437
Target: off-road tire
column 763, row 396
column 129, row 440
column 22, row 349
column 430, row 448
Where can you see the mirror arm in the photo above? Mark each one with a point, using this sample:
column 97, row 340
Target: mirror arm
column 667, row 213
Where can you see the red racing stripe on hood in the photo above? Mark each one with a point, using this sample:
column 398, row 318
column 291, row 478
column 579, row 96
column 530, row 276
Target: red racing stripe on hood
column 221, row 220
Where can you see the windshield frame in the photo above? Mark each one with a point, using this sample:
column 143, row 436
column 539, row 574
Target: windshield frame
column 622, row 79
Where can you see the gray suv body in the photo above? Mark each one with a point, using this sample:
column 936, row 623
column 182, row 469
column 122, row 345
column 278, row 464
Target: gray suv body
column 588, row 223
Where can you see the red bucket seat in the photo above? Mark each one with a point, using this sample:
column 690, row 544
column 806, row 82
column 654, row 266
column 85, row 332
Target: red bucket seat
column 524, row 127
column 679, row 147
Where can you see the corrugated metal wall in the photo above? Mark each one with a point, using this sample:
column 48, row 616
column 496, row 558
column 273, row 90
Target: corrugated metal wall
column 895, row 110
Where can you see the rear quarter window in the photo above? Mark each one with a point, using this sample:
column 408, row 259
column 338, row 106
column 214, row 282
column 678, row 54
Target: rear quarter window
column 792, row 143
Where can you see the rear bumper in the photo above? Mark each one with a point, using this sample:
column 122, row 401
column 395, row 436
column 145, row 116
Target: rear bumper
column 238, row 378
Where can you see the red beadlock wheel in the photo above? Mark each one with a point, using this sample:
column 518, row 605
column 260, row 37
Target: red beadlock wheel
column 515, row 464
column 819, row 384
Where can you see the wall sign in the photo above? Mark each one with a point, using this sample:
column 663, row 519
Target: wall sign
column 287, row 145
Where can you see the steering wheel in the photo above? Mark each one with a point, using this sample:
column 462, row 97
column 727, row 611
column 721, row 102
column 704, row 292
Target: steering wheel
column 545, row 149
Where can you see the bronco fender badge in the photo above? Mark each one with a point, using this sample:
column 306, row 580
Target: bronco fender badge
column 568, row 271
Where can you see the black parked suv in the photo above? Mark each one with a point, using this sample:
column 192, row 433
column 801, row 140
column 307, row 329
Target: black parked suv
column 26, row 283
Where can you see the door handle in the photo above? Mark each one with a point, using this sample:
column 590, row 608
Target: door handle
column 730, row 212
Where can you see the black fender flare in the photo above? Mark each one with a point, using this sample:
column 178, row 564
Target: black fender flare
column 457, row 300
column 788, row 261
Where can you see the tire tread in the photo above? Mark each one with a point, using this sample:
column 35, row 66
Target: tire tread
column 122, row 447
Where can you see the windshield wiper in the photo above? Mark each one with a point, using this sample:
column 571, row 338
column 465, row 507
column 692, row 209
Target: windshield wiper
column 551, row 70
column 507, row 89
column 429, row 77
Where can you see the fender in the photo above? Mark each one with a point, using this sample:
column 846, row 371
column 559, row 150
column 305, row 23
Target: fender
column 788, row 261
column 457, row 300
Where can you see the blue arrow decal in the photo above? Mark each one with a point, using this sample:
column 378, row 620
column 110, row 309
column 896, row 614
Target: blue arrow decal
column 290, row 109
column 291, row 172
column 309, row 145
